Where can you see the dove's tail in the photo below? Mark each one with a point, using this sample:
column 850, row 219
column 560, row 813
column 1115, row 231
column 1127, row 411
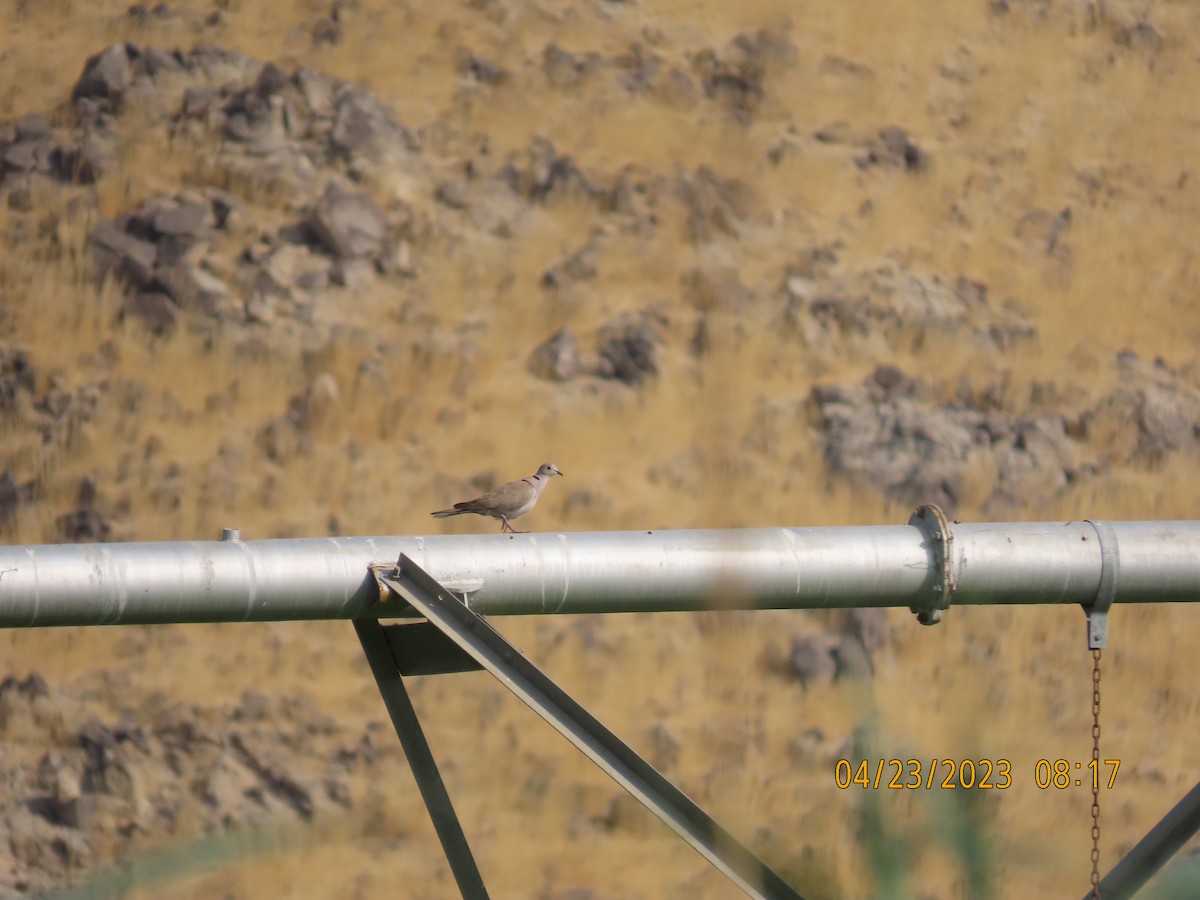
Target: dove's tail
column 443, row 513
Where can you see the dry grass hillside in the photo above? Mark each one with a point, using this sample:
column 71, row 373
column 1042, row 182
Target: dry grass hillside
column 764, row 228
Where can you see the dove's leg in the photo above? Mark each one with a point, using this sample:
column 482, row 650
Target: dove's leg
column 507, row 526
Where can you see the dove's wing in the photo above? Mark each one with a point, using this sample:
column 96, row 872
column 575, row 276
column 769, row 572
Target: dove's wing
column 505, row 499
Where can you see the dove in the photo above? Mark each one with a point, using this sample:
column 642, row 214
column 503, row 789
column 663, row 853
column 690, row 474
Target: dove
column 508, row 501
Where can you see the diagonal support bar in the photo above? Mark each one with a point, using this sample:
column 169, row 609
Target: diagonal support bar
column 420, row 758
column 605, row 749
column 1152, row 852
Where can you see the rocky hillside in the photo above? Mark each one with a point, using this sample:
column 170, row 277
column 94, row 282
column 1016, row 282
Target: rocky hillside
column 313, row 269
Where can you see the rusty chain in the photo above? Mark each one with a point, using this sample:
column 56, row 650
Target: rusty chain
column 1096, row 773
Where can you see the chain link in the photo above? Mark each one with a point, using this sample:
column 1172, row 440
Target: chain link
column 1096, row 773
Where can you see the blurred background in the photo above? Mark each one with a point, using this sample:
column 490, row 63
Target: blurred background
column 304, row 268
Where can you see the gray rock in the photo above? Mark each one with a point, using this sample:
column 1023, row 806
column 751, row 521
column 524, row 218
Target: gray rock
column 454, row 194
column 154, row 309
column 885, row 433
column 195, row 288
column 282, row 268
column 156, row 60
column 43, row 847
column 581, row 265
column 640, row 68
column 565, row 70
column 1139, row 35
column 199, row 102
column 221, row 65
column 827, row 307
column 352, row 273
column 738, row 86
column 106, row 75
column 271, row 80
column 634, row 196
column 557, row 358
column 716, row 205
column 1167, row 421
column 280, row 440
column 187, row 219
column 32, row 127
column 348, row 224
column 326, row 31
column 736, row 75
column 261, row 308
column 17, row 374
column 256, row 119
column 316, row 89
column 87, row 522
column 396, row 258
column 894, row 148
column 810, row 659
column 839, row 132
column 116, row 252
column 274, row 163
column 363, row 127
column 546, row 174
column 226, row 208
column 480, row 69
column 627, row 348
column 80, row 163
column 33, row 155
column 1154, row 409
column 258, row 758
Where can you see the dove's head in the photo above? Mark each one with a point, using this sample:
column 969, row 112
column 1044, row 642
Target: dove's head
column 547, row 470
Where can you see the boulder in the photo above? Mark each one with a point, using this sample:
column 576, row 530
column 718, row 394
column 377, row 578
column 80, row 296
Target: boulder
column 557, row 358
column 106, row 75
column 347, row 224
column 119, row 253
column 627, row 348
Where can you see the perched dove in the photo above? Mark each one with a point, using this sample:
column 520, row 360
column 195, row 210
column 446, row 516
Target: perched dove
column 507, row 501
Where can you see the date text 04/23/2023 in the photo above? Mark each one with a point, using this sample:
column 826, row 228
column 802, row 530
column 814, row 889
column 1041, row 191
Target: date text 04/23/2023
column 981, row 774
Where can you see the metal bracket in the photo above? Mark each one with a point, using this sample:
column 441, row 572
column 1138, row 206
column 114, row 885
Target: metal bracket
column 934, row 525
column 1106, row 592
column 489, row 649
column 423, row 649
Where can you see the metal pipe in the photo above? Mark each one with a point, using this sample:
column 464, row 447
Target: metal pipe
column 593, row 572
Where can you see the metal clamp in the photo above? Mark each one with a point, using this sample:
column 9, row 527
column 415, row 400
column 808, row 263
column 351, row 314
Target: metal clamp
column 1106, row 592
column 934, row 525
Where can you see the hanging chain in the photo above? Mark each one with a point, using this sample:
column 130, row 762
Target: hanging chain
column 1096, row 772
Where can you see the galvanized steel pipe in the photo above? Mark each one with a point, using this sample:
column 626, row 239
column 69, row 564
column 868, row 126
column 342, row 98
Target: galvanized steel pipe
column 593, row 572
